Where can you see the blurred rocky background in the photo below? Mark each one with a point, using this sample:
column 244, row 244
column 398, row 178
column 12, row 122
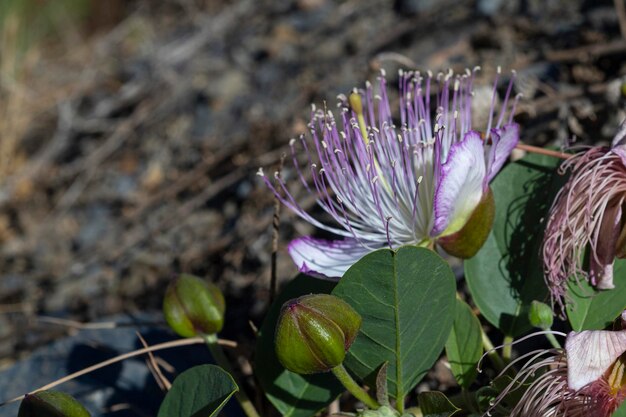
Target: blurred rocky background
column 131, row 132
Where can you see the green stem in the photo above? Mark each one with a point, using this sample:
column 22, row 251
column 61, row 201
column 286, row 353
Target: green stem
column 222, row 360
column 469, row 400
column 555, row 343
column 507, row 348
column 355, row 389
column 493, row 356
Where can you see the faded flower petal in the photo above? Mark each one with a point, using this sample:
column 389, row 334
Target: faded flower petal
column 325, row 258
column 583, row 380
column 601, row 263
column 590, row 354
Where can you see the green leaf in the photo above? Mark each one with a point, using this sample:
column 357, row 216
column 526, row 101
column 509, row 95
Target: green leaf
column 201, row 391
column 292, row 394
column 406, row 299
column 436, row 404
column 51, row 404
column 591, row 309
column 506, row 275
column 464, row 346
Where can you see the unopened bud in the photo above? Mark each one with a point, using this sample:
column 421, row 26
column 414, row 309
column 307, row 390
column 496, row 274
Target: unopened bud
column 540, row 315
column 467, row 242
column 314, row 333
column 51, row 404
column 193, row 307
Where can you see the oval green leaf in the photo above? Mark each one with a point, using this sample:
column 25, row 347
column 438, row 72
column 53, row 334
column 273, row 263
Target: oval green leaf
column 506, row 275
column 51, row 404
column 407, row 301
column 201, row 391
column 292, row 394
column 464, row 346
column 590, row 309
column 436, row 404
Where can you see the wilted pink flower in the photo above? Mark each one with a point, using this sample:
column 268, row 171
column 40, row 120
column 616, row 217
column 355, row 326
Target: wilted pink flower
column 587, row 213
column 387, row 185
column 586, row 379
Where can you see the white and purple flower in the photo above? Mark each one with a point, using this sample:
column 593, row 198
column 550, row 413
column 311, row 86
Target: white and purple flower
column 387, row 182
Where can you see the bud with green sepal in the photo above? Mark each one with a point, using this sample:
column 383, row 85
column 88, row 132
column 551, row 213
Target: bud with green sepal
column 466, row 242
column 313, row 334
column 51, row 404
column 540, row 315
column 193, row 307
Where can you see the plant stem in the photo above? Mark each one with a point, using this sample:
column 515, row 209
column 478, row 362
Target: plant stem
column 542, row 151
column 555, row 343
column 464, row 401
column 507, row 348
column 355, row 389
column 222, row 360
column 493, row 356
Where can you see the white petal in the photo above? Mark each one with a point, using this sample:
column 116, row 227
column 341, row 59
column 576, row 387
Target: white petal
column 461, row 185
column 590, row 354
column 328, row 259
column 507, row 139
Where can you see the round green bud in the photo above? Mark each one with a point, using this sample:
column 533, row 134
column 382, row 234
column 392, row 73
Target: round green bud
column 540, row 315
column 314, row 333
column 382, row 411
column 193, row 306
column 51, row 404
column 467, row 242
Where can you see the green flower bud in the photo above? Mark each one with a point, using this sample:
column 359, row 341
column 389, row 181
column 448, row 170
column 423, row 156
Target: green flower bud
column 540, row 315
column 51, row 404
column 192, row 306
column 314, row 333
column 467, row 242
column 383, row 411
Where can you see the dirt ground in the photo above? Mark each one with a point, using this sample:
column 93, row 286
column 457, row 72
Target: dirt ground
column 145, row 128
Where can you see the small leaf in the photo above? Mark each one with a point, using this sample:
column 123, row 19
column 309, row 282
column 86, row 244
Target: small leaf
column 406, row 299
column 51, row 404
column 382, row 392
column 201, row 391
column 591, row 309
column 507, row 275
column 292, row 394
column 464, row 346
column 435, row 404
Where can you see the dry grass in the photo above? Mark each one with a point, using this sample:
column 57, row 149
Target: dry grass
column 31, row 34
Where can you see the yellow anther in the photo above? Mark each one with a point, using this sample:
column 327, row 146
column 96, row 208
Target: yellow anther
column 357, row 105
column 617, row 377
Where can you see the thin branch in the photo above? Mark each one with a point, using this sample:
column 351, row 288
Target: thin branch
column 89, row 326
column 161, row 380
column 15, row 308
column 542, row 151
column 275, row 230
column 621, row 16
column 77, row 324
column 138, row 352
